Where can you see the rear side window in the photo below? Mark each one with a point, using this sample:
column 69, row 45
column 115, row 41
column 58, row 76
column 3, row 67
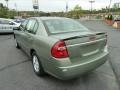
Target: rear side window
column 35, row 27
column 32, row 26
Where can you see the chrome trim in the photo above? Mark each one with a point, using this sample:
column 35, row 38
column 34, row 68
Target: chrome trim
column 81, row 44
column 91, row 53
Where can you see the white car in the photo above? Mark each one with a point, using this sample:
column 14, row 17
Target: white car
column 7, row 25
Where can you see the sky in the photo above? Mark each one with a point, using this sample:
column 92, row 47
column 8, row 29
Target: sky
column 56, row 5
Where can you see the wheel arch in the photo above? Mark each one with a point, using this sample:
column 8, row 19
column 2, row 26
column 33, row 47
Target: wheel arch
column 31, row 51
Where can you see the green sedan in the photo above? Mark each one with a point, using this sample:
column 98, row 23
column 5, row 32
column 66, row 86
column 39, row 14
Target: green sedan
column 61, row 47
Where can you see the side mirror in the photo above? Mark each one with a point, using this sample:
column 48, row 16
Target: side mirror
column 16, row 28
column 30, row 31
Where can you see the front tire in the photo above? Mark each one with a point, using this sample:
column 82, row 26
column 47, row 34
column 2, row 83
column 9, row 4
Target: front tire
column 16, row 44
column 37, row 66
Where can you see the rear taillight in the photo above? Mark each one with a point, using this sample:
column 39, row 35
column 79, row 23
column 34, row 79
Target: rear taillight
column 59, row 50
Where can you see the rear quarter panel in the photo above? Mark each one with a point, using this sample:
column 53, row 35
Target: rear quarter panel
column 42, row 46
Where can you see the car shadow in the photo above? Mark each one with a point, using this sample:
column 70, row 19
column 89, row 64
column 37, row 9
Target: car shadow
column 84, row 78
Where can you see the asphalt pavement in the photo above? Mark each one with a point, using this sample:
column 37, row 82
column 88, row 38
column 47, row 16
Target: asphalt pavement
column 16, row 71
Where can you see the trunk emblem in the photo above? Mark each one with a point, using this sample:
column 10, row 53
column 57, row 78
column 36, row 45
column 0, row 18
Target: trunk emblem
column 92, row 37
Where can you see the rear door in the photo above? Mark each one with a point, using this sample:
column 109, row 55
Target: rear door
column 30, row 32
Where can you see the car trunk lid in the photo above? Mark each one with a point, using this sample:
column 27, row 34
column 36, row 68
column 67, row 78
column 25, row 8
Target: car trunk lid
column 83, row 45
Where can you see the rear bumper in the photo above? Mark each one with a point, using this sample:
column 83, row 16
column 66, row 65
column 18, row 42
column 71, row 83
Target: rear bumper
column 73, row 71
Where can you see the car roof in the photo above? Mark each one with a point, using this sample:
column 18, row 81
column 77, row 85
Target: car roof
column 7, row 19
column 47, row 18
column 11, row 20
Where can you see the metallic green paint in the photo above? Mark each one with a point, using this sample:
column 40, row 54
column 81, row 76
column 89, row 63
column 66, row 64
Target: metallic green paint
column 84, row 55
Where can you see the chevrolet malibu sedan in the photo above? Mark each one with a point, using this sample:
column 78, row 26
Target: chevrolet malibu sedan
column 61, row 47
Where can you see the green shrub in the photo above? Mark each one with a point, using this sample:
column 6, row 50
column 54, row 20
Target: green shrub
column 109, row 17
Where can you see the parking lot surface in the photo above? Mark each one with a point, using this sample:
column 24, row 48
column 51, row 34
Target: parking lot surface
column 16, row 71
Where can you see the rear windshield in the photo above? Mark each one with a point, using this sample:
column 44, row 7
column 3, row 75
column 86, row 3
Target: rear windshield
column 56, row 26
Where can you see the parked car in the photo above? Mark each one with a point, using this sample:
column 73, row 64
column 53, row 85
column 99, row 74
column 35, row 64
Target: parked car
column 7, row 25
column 61, row 47
column 117, row 18
column 19, row 20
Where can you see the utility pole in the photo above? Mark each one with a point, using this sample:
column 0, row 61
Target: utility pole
column 7, row 2
column 91, row 2
column 7, row 8
column 110, row 5
column 15, row 6
column 16, row 9
column 66, row 6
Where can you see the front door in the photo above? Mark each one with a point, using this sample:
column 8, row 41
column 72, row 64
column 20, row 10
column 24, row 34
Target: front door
column 20, row 34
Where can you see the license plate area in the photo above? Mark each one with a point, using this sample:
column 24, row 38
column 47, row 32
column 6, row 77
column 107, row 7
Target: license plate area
column 90, row 49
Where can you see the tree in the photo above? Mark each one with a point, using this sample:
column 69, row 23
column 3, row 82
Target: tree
column 6, row 13
column 116, row 6
column 3, row 11
column 77, row 8
column 1, row 5
column 76, row 12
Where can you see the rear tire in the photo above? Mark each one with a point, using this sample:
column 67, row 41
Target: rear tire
column 37, row 66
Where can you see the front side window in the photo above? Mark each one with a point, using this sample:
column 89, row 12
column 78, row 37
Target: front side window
column 63, row 25
column 23, row 25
